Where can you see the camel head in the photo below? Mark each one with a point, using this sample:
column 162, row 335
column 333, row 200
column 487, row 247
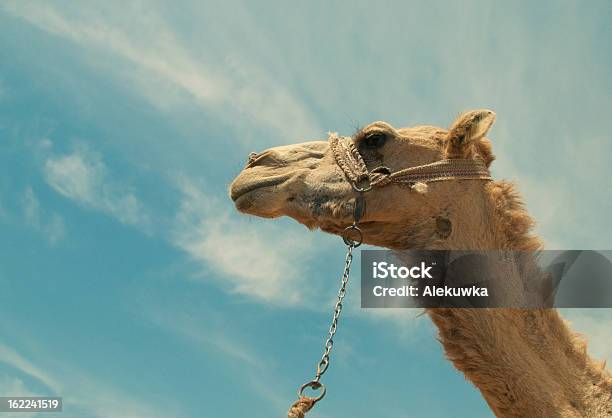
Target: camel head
column 303, row 181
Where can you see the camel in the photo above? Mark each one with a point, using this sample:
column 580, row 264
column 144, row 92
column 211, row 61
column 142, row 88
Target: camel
column 525, row 362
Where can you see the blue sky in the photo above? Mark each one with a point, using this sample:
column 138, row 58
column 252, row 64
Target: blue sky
column 128, row 284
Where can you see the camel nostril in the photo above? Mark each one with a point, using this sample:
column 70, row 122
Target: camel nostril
column 252, row 158
column 255, row 158
column 265, row 158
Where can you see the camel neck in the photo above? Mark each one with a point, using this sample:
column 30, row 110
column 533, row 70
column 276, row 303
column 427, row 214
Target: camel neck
column 525, row 362
column 492, row 217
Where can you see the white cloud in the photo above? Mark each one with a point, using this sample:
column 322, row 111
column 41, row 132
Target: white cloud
column 205, row 334
column 207, row 330
column 83, row 177
column 409, row 325
column 258, row 260
column 103, row 401
column 79, row 391
column 31, row 207
column 12, row 358
column 12, row 386
column 226, row 84
column 51, row 226
column 596, row 326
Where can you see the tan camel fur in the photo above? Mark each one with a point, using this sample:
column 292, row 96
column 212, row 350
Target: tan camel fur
column 525, row 362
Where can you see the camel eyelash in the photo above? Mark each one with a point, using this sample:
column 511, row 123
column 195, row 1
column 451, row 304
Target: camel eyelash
column 372, row 139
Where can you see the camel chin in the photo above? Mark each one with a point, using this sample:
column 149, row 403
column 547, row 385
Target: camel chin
column 256, row 201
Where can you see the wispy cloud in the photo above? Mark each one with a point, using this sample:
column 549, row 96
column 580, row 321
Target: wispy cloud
column 83, row 177
column 204, row 334
column 103, row 401
column 257, row 260
column 224, row 85
column 81, row 393
column 594, row 324
column 12, row 358
column 207, row 330
column 409, row 326
column 13, row 386
column 51, row 226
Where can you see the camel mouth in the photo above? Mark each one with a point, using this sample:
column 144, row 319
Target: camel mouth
column 239, row 189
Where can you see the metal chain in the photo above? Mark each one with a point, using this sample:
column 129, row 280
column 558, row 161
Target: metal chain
column 329, row 343
column 323, row 364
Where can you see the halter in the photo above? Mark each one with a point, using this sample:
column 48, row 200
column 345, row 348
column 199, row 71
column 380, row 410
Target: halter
column 363, row 180
column 350, row 161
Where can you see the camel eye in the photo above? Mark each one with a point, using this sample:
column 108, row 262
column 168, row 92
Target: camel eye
column 375, row 140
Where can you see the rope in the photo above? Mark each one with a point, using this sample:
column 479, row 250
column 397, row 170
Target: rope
column 348, row 158
column 350, row 161
column 300, row 407
column 437, row 171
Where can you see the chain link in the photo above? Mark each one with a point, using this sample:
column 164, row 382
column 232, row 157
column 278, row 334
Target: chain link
column 329, row 343
column 323, row 365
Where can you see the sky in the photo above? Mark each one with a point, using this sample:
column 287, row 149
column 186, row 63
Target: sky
column 128, row 283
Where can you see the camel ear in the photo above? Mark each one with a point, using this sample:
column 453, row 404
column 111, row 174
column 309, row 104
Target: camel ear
column 468, row 129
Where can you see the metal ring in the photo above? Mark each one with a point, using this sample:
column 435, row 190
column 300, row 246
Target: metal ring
column 315, row 385
column 361, row 189
column 350, row 242
column 357, row 187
